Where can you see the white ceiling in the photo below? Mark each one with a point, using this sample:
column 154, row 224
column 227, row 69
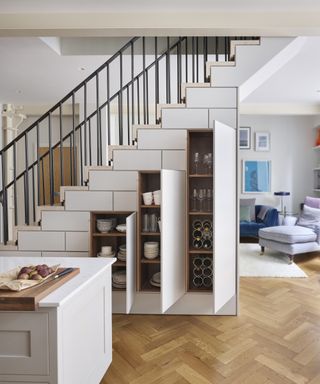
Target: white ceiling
column 83, row 6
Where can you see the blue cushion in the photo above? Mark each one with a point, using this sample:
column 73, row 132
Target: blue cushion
column 250, row 228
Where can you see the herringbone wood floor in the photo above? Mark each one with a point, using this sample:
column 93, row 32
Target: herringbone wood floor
column 275, row 340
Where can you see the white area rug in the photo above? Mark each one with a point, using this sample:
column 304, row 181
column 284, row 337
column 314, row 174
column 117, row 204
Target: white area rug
column 271, row 264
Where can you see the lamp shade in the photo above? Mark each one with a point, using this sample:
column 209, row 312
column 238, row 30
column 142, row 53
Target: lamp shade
column 282, row 193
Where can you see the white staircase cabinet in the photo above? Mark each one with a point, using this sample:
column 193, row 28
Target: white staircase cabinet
column 173, row 219
column 131, row 238
column 225, row 215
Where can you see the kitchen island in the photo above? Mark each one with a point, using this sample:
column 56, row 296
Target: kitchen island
column 68, row 339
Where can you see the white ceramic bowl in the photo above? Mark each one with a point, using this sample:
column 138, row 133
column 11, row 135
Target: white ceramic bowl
column 147, row 198
column 104, row 225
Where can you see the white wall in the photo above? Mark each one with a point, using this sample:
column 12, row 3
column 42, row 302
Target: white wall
column 291, row 155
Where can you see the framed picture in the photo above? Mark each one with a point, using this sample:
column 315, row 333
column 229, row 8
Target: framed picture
column 262, row 141
column 244, row 137
column 256, row 176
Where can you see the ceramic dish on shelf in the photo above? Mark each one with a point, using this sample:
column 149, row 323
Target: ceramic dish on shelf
column 119, row 277
column 156, row 280
column 113, row 254
column 121, row 228
column 119, row 286
column 158, row 285
column 121, row 256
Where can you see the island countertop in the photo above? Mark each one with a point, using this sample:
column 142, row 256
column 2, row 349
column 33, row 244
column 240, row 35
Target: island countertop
column 90, row 268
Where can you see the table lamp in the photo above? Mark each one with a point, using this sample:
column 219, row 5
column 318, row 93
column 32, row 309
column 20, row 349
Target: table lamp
column 282, row 194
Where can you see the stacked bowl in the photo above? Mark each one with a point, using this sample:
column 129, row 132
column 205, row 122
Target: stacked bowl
column 151, row 249
column 156, row 280
column 105, row 225
column 122, row 254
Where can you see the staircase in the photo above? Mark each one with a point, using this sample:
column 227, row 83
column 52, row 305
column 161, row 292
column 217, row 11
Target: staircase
column 141, row 139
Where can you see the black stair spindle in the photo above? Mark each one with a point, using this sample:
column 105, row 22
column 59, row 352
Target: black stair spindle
column 71, row 160
column 85, row 124
column 43, row 183
column 156, row 73
column 51, row 165
column 168, row 78
column 138, row 100
column 38, row 164
column 128, row 117
column 147, row 96
column 144, row 80
column 193, row 59
column 217, row 48
column 81, row 155
column 99, row 133
column 15, row 201
column 179, row 81
column 61, row 146
column 205, row 56
column 26, row 187
column 74, row 148
column 33, row 197
column 90, row 152
column 4, row 198
column 186, row 58
column 108, row 110
column 197, row 56
column 120, row 101
column 132, row 84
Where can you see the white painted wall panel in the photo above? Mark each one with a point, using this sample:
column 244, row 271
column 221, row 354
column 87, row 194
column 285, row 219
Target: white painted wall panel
column 211, row 97
column 184, row 118
column 20, row 254
column 225, row 116
column 65, row 221
column 113, row 180
column 65, row 254
column 41, row 241
column 162, row 139
column 174, row 160
column 136, row 160
column 125, row 201
column 77, row 241
column 88, row 201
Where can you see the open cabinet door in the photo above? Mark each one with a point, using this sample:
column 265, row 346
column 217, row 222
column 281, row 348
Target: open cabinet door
column 131, row 259
column 225, row 214
column 173, row 236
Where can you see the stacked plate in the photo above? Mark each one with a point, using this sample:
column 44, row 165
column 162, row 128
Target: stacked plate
column 119, row 279
column 151, row 249
column 122, row 254
column 156, row 280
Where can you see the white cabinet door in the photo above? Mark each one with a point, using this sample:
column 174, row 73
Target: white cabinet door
column 173, row 240
column 225, row 214
column 131, row 259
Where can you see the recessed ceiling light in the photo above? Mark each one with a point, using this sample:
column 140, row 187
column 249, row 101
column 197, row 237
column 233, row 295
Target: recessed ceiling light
column 19, row 91
column 318, row 90
column 81, row 69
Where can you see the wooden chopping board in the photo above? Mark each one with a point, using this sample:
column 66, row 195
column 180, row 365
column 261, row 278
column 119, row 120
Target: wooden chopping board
column 28, row 299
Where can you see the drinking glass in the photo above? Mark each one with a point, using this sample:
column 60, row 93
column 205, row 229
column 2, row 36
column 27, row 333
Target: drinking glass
column 194, row 201
column 145, row 221
column 196, row 163
column 201, row 200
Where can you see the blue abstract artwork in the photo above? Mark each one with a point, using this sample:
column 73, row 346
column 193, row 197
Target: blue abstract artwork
column 256, row 176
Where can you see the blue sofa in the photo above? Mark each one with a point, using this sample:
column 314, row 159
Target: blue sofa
column 251, row 228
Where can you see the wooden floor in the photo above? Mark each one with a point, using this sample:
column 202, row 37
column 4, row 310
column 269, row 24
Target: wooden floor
column 276, row 339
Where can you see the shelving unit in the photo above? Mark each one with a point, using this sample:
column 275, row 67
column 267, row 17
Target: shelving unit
column 122, row 297
column 201, row 142
column 149, row 181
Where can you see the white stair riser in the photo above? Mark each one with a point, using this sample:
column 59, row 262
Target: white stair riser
column 185, row 118
column 41, row 241
column 162, row 139
column 77, row 241
column 88, row 201
column 137, row 160
column 20, row 253
column 225, row 116
column 125, row 201
column 65, row 221
column 113, row 180
column 64, row 254
column 174, row 160
column 211, row 98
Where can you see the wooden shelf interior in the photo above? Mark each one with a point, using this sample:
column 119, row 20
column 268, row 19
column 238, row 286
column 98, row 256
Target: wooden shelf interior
column 148, row 182
column 200, row 141
column 201, row 272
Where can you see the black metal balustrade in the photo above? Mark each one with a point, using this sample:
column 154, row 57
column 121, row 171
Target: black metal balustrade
column 122, row 92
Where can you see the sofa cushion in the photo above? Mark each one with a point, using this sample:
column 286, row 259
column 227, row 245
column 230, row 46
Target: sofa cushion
column 313, row 202
column 250, row 228
column 245, row 213
column 249, row 203
column 288, row 234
